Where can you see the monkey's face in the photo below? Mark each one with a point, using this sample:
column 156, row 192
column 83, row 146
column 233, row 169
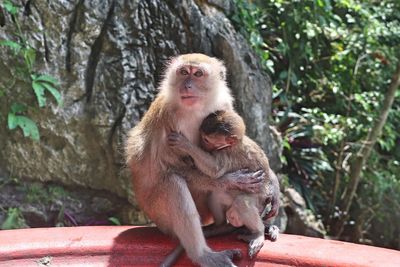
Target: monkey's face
column 214, row 141
column 192, row 83
column 195, row 81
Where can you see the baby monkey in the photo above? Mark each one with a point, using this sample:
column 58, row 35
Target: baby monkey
column 226, row 148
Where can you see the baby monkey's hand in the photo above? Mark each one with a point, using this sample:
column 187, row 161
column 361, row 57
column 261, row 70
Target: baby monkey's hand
column 178, row 141
column 243, row 180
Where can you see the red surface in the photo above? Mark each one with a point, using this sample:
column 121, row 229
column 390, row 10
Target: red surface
column 145, row 246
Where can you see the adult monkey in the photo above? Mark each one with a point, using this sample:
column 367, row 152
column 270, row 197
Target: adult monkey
column 193, row 87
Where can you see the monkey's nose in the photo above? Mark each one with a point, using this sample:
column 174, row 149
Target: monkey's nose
column 188, row 84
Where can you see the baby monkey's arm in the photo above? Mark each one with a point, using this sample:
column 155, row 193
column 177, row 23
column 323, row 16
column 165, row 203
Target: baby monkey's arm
column 242, row 180
column 203, row 160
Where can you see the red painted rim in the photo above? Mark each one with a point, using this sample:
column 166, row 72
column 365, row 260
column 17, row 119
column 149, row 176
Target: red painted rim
column 146, row 246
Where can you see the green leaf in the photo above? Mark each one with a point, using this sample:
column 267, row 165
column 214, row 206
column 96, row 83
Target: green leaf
column 28, row 126
column 45, row 78
column 39, row 89
column 18, row 107
column 114, row 220
column 320, row 3
column 12, row 121
column 56, row 94
column 45, row 82
column 13, row 45
column 30, row 57
column 13, row 219
column 40, row 85
column 10, row 7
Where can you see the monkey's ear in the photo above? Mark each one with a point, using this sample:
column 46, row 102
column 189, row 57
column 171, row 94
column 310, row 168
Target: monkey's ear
column 232, row 139
column 171, row 60
column 223, row 72
column 221, row 67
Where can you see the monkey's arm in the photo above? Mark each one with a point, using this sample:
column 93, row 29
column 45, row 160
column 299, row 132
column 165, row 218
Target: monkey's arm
column 203, row 160
column 214, row 174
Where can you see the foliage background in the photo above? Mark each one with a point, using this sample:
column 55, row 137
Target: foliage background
column 331, row 63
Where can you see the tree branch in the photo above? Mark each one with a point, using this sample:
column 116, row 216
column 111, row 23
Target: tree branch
column 365, row 151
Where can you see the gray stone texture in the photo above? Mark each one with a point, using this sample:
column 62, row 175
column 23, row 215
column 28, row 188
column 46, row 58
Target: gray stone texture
column 108, row 56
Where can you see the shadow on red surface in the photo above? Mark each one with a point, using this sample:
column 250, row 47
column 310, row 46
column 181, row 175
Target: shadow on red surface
column 145, row 246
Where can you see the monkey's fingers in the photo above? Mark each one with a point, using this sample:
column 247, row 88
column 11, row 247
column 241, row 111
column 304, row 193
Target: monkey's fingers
column 233, row 253
column 259, row 174
column 252, row 180
column 252, row 177
column 256, row 242
column 244, row 174
column 248, row 187
column 273, row 212
column 173, row 139
column 274, row 208
column 242, row 171
column 272, row 232
column 220, row 258
column 254, row 247
column 173, row 135
column 254, row 188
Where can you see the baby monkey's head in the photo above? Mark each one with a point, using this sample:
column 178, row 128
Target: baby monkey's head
column 221, row 129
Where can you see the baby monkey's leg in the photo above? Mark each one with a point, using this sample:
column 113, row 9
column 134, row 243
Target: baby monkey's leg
column 244, row 212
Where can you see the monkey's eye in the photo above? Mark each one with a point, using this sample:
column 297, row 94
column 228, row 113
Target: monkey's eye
column 198, row 73
column 184, row 72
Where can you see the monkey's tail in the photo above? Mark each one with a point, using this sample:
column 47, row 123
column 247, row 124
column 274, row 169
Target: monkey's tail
column 172, row 257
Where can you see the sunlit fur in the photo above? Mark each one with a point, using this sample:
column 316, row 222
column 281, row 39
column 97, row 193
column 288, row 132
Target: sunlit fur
column 166, row 107
column 161, row 193
column 241, row 209
column 215, row 72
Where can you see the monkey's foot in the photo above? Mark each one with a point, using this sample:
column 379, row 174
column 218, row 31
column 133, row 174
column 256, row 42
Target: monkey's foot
column 219, row 258
column 256, row 242
column 272, row 232
column 243, row 180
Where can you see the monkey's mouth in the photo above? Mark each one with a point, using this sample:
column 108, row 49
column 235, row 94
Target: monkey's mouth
column 188, row 96
column 189, row 99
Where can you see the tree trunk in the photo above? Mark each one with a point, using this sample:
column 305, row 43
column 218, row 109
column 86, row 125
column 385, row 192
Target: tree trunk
column 364, row 152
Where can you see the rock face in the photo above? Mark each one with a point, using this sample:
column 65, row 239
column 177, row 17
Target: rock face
column 108, row 56
column 35, row 204
column 301, row 220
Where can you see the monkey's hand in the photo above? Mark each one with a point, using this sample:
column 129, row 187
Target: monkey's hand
column 274, row 207
column 272, row 198
column 178, row 141
column 243, row 180
column 271, row 232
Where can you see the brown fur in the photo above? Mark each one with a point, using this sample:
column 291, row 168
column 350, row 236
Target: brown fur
column 159, row 188
column 239, row 207
column 224, row 123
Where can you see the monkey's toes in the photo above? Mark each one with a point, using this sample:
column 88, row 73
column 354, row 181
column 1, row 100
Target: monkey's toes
column 219, row 258
column 272, row 232
column 255, row 246
column 233, row 253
